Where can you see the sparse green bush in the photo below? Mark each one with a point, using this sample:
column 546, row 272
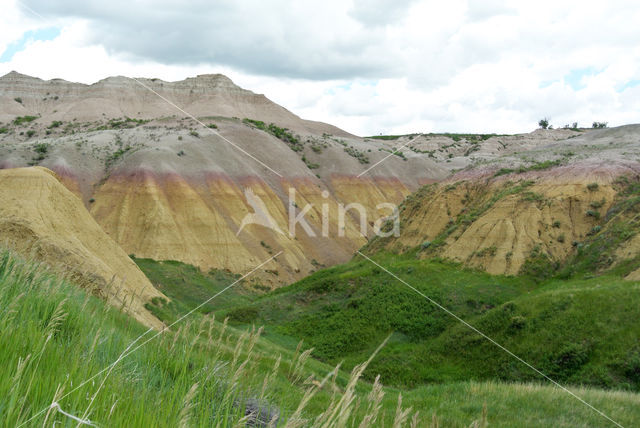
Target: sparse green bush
column 244, row 314
column 23, row 119
column 18, row 100
column 543, row 123
column 360, row 156
column 599, row 125
column 42, row 148
column 487, row 251
column 592, row 187
column 532, row 197
column 593, row 213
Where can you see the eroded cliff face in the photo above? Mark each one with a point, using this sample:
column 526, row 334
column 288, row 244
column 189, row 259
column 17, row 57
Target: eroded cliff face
column 43, row 220
column 165, row 187
column 496, row 222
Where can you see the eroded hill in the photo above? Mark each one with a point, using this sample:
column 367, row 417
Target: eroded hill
column 41, row 219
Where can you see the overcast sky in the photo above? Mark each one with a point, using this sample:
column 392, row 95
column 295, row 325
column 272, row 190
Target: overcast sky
column 370, row 67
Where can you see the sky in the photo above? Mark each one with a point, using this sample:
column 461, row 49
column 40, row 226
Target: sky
column 368, row 66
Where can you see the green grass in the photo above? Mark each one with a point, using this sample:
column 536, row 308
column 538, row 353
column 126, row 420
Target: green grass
column 587, row 327
column 56, row 335
column 188, row 287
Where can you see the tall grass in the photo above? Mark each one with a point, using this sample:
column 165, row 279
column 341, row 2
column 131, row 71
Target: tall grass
column 54, row 336
column 207, row 373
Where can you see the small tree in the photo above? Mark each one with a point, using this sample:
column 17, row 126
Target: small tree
column 599, row 125
column 543, row 123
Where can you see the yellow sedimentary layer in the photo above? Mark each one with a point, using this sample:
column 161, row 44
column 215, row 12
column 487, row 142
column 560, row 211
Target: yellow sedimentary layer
column 549, row 215
column 196, row 220
column 40, row 218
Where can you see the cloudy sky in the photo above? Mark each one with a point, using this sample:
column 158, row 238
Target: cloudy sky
column 370, row 67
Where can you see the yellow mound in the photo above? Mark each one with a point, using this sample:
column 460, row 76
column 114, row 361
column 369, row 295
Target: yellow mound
column 495, row 225
column 41, row 219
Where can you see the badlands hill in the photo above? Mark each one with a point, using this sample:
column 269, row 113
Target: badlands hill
column 571, row 202
column 41, row 219
column 167, row 187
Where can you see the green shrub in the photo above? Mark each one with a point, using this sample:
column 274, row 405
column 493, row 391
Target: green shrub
column 503, row 171
column 594, row 214
column 532, row 197
column 539, row 265
column 487, row 251
column 245, row 314
column 18, row 100
column 592, row 187
column 23, row 119
column 42, row 148
column 543, row 123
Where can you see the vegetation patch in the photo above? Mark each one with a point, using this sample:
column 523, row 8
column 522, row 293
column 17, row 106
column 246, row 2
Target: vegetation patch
column 538, row 166
column 359, row 155
column 283, row 134
column 20, row 120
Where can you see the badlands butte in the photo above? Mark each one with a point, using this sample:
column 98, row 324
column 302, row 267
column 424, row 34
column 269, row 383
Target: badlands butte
column 160, row 170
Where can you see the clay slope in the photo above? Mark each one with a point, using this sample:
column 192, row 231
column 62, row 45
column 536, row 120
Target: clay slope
column 550, row 205
column 41, row 219
column 165, row 187
column 115, row 97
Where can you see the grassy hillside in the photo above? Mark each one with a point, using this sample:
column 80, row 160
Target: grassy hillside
column 188, row 287
column 205, row 373
column 579, row 331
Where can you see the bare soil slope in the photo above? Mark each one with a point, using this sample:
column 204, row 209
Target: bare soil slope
column 521, row 210
column 165, row 187
column 41, row 219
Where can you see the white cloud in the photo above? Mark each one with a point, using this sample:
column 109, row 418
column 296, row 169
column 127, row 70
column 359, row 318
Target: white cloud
column 388, row 67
